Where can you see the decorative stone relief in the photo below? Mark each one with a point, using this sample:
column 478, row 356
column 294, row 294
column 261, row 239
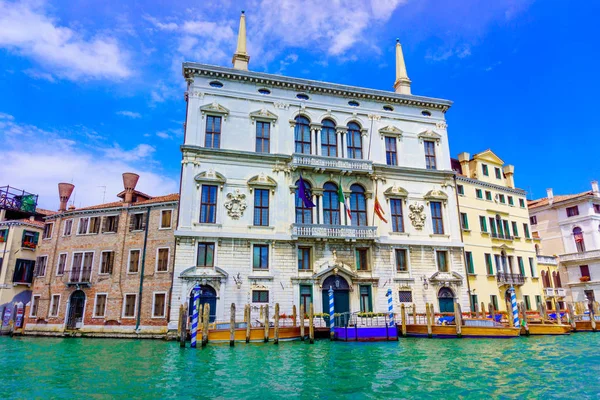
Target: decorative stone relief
column 282, row 106
column 417, row 215
column 441, row 125
column 235, row 204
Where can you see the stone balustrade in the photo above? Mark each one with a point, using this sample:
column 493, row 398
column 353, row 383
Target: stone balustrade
column 333, row 231
column 331, row 163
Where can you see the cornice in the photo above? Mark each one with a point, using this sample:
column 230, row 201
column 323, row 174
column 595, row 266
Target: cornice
column 387, row 170
column 566, row 203
column 235, row 154
column 77, row 212
column 461, row 178
column 190, row 69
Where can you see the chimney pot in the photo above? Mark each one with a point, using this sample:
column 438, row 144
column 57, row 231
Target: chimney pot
column 130, row 181
column 550, row 195
column 64, row 193
column 595, row 190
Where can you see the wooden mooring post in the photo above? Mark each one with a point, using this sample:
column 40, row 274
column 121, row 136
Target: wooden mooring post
column 523, row 315
column 492, row 312
column 428, row 319
column 302, row 322
column 205, row 320
column 276, row 320
column 593, row 316
column 414, row 313
column 294, row 316
column 311, row 324
column 483, row 310
column 266, row 315
column 458, row 319
column 183, row 317
column 544, row 314
column 232, row 326
column 403, row 313
column 571, row 315
column 248, row 319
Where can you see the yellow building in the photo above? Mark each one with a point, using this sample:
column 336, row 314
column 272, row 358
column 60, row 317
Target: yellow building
column 499, row 246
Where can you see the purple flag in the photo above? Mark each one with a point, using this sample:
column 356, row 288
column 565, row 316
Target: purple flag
column 302, row 193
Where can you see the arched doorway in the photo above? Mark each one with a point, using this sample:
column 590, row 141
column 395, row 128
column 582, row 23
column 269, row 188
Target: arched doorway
column 341, row 294
column 208, row 295
column 446, row 300
column 76, row 307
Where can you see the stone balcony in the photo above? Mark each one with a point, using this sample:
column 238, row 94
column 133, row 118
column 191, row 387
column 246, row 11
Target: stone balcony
column 560, row 292
column 579, row 257
column 510, row 279
column 334, row 232
column 331, row 164
column 548, row 260
column 549, row 292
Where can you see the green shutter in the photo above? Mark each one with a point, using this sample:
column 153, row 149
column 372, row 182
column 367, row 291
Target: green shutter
column 36, row 237
column 483, row 224
column 370, row 299
column 469, row 257
column 521, row 265
column 488, row 263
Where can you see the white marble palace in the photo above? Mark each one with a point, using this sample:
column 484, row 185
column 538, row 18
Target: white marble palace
column 254, row 142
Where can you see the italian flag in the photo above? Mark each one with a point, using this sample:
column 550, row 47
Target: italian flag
column 344, row 200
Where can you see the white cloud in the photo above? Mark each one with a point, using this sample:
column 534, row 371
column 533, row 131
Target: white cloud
column 71, row 161
column 28, row 31
column 34, row 74
column 130, row 114
column 163, row 135
column 168, row 26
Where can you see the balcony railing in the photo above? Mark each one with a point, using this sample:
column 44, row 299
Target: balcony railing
column 583, row 256
column 80, row 276
column 560, row 292
column 548, row 292
column 333, row 231
column 497, row 235
column 321, row 163
column 18, row 200
column 510, row 279
column 547, row 260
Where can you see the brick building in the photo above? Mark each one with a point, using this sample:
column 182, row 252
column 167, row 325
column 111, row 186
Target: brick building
column 98, row 266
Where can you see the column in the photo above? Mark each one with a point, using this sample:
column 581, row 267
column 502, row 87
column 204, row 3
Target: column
column 319, row 216
column 318, row 141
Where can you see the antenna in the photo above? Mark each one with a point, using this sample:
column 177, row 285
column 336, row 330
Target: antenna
column 103, row 193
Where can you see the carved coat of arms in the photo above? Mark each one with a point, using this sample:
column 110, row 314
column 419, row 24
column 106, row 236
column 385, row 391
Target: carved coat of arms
column 417, row 215
column 235, row 204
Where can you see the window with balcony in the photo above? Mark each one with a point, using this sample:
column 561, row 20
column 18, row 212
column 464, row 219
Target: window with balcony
column 366, row 303
column 208, row 204
column 110, row 224
column 362, row 259
column 470, row 264
column 479, row 193
column 358, row 205
column 261, row 207
column 430, row 159
column 263, row 137
column 401, row 260
column 484, row 169
column 61, row 264
column 68, row 227
column 483, row 224
column 436, row 217
column 129, row 305
column 329, row 143
column 23, row 273
column 354, row 141
column 162, row 259
column 260, row 256
column 302, row 135
column 166, row 217
column 304, row 262
column 578, row 237
column 391, row 154
column 48, row 227
column 304, row 214
column 442, row 260
column 134, row 261
column 81, row 269
column 30, row 240
column 331, row 204
column 206, row 255
column 572, row 211
column 212, row 140
column 396, row 215
column 260, row 296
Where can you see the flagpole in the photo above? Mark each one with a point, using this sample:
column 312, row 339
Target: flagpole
column 376, row 188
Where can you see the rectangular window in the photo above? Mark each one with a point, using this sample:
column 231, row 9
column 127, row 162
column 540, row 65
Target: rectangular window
column 483, row 224
column 100, row 305
column 521, row 265
column 162, row 260
column 538, row 301
column 494, row 301
column 261, row 207
column 597, row 208
column 68, row 227
column 260, row 256
column 304, row 258
column 479, row 193
column 488, row 264
column 362, row 259
column 263, row 137
column 48, row 230
column 391, row 155
column 54, row 305
column 498, row 265
column 498, row 173
column 572, row 211
column 81, row 269
column 514, row 229
column 159, row 305
column 206, row 253
column 405, row 296
column 401, row 261
column 106, row 262
column 501, row 198
column 208, row 204
column 493, row 227
column 396, row 213
column 129, row 306
column 506, row 229
column 442, row 260
column 62, row 264
column 366, row 304
column 474, row 302
column 585, row 271
column 436, row 218
column 305, row 298
column 526, row 231
column 83, row 226
column 430, row 162
column 23, row 271
column 137, row 222
column 532, row 267
column 527, row 302
column 213, row 132
column 260, row 296
column 134, row 261
column 460, row 189
column 484, row 168
column 165, row 219
column 40, row 266
column 354, row 141
column 488, row 195
column 533, row 220
column 111, row 224
column 3, row 235
column 470, row 266
column 511, row 201
column 35, row 303
column 464, row 221
column 521, row 203
column 94, row 225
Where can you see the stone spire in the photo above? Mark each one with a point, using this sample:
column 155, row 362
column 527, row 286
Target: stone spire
column 402, row 84
column 241, row 57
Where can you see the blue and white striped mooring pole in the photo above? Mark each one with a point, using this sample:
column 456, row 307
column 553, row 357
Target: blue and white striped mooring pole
column 515, row 310
column 390, row 306
column 195, row 313
column 331, row 312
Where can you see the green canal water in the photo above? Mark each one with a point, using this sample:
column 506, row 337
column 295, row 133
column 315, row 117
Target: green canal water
column 535, row 367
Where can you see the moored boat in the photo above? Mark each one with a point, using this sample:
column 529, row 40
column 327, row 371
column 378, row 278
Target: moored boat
column 546, row 329
column 222, row 333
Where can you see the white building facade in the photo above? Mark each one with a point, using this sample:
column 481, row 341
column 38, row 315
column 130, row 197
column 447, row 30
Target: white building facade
column 244, row 233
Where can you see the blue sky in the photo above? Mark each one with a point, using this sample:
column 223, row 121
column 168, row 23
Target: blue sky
column 92, row 89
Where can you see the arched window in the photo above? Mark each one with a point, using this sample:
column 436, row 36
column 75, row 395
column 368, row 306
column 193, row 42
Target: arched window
column 358, row 205
column 331, row 204
column 545, row 279
column 556, row 278
column 578, row 236
column 302, row 135
column 328, row 139
column 354, row 140
column 303, row 214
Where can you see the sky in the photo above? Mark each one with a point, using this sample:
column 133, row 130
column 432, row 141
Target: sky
column 91, row 89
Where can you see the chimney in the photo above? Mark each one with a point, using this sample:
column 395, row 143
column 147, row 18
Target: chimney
column 595, row 190
column 64, row 193
column 463, row 159
column 130, row 180
column 509, row 173
column 550, row 195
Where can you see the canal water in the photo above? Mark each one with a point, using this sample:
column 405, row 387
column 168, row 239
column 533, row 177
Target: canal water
column 534, row 367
